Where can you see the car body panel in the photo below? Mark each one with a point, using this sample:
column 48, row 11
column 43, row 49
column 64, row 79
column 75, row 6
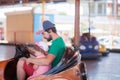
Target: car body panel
column 110, row 42
column 70, row 63
column 103, row 50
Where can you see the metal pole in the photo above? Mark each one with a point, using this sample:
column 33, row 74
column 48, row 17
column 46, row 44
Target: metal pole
column 77, row 20
column 116, row 11
column 89, row 21
column 116, row 15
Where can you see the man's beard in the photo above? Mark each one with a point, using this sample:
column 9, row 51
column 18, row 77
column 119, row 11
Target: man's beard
column 50, row 38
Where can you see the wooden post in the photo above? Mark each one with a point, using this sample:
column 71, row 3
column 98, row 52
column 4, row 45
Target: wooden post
column 43, row 9
column 14, row 37
column 77, row 20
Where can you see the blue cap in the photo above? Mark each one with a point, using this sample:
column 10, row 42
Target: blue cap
column 47, row 25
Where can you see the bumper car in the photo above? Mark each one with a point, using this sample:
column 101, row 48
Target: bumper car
column 89, row 46
column 103, row 50
column 69, row 68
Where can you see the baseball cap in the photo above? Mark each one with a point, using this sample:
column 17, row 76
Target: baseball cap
column 46, row 25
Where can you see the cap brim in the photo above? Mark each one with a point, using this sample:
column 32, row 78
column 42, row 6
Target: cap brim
column 39, row 32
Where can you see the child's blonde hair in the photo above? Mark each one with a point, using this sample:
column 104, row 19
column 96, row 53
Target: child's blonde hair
column 41, row 46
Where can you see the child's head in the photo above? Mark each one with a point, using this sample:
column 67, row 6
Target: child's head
column 41, row 47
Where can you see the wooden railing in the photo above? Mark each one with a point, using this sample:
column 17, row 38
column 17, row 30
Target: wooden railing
column 20, row 36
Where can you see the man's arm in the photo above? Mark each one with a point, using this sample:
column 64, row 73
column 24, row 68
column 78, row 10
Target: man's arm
column 42, row 61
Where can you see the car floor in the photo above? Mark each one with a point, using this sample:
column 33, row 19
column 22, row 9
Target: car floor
column 105, row 68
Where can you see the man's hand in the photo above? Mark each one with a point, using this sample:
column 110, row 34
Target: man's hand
column 28, row 61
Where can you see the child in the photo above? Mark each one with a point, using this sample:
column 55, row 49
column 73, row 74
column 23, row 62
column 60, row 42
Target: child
column 40, row 52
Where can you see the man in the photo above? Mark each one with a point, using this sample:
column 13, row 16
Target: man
column 55, row 52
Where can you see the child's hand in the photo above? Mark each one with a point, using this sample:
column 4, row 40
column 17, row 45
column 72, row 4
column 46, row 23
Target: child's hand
column 35, row 67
